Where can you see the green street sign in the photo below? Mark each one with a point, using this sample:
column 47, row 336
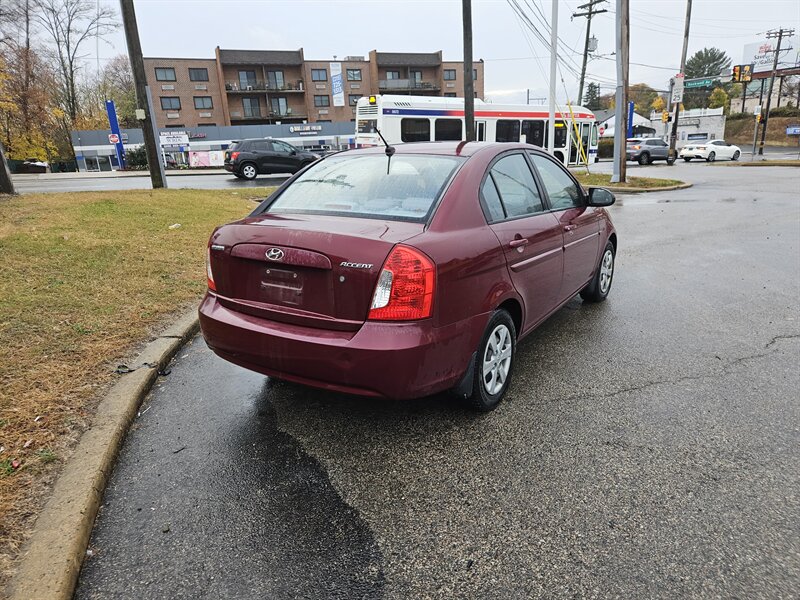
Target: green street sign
column 698, row 83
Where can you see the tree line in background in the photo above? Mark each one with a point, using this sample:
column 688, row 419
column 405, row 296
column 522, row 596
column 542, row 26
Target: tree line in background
column 703, row 63
column 48, row 84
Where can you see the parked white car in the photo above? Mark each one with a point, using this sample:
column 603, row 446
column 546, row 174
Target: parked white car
column 710, row 151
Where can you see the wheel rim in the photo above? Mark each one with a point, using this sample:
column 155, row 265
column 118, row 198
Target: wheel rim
column 735, row 155
column 249, row 171
column 606, row 271
column 497, row 359
column 711, row 157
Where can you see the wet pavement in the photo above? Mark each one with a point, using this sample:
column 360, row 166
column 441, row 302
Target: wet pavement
column 30, row 185
column 649, row 446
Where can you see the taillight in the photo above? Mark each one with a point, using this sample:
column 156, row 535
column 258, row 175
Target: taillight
column 405, row 287
column 234, row 155
column 209, row 275
column 636, row 147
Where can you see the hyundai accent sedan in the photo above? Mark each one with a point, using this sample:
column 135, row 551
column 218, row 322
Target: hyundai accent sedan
column 402, row 272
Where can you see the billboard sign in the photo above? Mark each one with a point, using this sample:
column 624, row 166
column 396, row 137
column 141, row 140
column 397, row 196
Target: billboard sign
column 760, row 54
column 337, row 85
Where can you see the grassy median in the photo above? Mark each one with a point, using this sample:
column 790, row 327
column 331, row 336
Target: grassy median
column 634, row 183
column 84, row 278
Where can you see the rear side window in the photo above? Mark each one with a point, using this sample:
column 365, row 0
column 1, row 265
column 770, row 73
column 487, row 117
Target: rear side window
column 360, row 186
column 261, row 146
column 415, row 130
column 516, row 186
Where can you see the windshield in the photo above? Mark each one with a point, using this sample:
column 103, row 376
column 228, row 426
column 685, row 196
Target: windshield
column 359, row 186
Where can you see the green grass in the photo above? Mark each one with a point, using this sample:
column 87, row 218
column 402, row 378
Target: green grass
column 84, row 278
column 604, row 180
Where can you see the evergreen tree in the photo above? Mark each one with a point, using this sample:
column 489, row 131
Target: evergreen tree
column 592, row 97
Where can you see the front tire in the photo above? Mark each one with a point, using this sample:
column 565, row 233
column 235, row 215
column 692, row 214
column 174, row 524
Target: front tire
column 249, row 171
column 736, row 155
column 598, row 288
column 494, row 362
column 687, row 159
column 712, row 156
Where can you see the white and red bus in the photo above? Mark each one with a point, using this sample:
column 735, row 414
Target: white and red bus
column 434, row 118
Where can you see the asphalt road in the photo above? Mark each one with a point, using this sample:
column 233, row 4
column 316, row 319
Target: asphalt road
column 649, row 447
column 29, row 185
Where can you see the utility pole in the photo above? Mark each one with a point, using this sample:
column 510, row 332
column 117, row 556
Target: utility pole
column 590, row 12
column 780, row 34
column 6, row 185
column 673, row 138
column 621, row 99
column 140, row 80
column 469, row 80
column 551, row 123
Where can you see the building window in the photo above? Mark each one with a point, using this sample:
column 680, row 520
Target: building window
column 175, row 126
column 319, row 74
column 198, row 74
column 203, row 102
column 275, row 80
column 354, row 99
column 449, row 95
column 416, row 76
column 170, row 103
column 392, row 74
column 165, row 74
column 474, row 74
column 353, row 74
column 206, row 124
column 251, row 107
column 279, row 106
column 449, row 74
column 322, row 100
column 247, row 79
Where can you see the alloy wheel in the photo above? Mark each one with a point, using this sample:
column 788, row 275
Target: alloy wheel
column 606, row 271
column 497, row 359
column 249, row 171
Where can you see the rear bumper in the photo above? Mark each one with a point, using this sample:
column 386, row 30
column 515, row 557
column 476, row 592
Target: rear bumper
column 229, row 167
column 387, row 360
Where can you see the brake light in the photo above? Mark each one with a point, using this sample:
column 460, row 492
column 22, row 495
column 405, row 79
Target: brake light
column 405, row 287
column 234, row 155
column 209, row 275
column 636, row 147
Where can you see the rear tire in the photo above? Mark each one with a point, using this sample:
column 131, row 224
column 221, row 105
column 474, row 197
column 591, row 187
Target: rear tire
column 644, row 159
column 712, row 156
column 249, row 171
column 494, row 362
column 598, row 288
column 736, row 155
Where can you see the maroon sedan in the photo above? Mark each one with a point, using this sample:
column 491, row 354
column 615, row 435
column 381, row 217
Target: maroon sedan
column 399, row 276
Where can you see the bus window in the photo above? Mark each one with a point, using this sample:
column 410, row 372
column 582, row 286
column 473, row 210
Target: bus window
column 534, row 132
column 415, row 130
column 594, row 135
column 447, row 130
column 367, row 125
column 507, row 131
column 561, row 134
column 481, row 130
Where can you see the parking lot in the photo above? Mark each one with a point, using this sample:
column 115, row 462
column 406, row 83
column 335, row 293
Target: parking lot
column 648, row 446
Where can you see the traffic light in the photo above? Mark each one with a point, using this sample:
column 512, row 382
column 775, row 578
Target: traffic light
column 665, row 117
column 747, row 73
column 737, row 73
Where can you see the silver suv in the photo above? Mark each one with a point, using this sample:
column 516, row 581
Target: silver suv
column 646, row 150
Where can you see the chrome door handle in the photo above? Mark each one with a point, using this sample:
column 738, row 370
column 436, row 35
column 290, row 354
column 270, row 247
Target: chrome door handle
column 570, row 228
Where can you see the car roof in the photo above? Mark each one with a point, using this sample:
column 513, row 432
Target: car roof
column 462, row 148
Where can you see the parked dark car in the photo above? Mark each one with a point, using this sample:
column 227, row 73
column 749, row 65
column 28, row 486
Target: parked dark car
column 646, row 150
column 406, row 275
column 249, row 158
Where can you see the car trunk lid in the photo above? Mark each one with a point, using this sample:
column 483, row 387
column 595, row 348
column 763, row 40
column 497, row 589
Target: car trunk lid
column 305, row 270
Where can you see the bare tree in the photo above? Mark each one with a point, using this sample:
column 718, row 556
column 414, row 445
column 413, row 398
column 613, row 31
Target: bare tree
column 69, row 24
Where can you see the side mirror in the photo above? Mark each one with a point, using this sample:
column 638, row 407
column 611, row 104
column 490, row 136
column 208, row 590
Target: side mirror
column 293, row 152
column 600, row 197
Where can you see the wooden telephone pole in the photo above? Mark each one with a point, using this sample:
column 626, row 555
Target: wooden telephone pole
column 469, row 80
column 673, row 136
column 780, row 34
column 590, row 12
column 6, row 185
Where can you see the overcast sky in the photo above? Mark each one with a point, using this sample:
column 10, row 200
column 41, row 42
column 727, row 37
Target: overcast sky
column 515, row 59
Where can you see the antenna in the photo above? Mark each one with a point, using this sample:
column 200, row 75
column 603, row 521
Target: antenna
column 389, row 149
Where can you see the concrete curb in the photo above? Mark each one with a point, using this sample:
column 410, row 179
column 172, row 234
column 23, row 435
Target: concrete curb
column 52, row 558
column 621, row 190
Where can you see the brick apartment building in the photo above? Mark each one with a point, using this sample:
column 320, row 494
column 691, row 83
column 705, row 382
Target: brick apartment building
column 263, row 87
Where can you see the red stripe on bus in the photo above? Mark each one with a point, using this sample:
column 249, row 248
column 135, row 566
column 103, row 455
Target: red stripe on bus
column 539, row 115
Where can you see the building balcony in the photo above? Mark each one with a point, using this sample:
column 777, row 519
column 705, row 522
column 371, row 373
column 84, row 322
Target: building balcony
column 391, row 85
column 266, row 115
column 260, row 86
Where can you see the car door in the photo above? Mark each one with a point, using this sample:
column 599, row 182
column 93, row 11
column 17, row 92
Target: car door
column 662, row 148
column 286, row 160
column 725, row 149
column 262, row 154
column 579, row 224
column 529, row 234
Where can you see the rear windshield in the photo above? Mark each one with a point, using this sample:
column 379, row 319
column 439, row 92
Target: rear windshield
column 359, row 186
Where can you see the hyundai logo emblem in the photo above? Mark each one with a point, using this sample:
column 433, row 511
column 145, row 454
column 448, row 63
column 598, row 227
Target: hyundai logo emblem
column 275, row 254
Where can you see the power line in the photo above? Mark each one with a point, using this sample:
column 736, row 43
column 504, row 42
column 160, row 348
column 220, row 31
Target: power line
column 590, row 12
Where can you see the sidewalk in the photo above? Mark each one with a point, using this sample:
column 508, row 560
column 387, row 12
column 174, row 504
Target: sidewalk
column 111, row 174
